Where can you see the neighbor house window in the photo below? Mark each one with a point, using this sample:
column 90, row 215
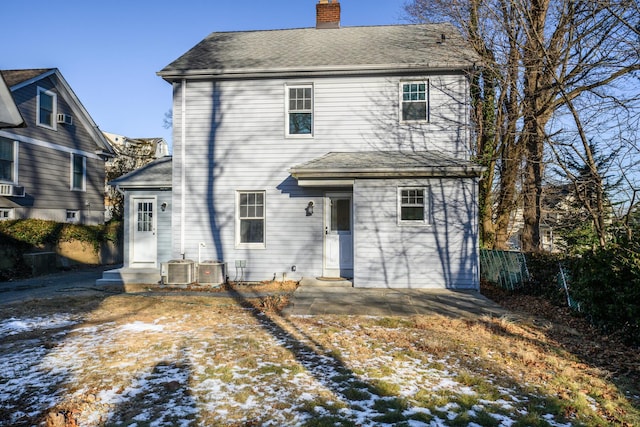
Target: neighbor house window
column 415, row 101
column 7, row 160
column 412, row 205
column 250, row 224
column 73, row 216
column 46, row 108
column 300, row 110
column 78, row 172
column 6, row 214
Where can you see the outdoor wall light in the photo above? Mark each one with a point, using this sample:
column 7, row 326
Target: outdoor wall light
column 309, row 208
column 163, row 206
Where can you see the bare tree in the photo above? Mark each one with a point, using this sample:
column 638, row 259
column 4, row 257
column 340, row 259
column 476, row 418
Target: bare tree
column 545, row 56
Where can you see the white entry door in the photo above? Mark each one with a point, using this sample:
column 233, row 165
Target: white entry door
column 143, row 236
column 338, row 237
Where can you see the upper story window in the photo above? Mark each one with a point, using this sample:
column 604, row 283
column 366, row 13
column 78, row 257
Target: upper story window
column 300, row 110
column 78, row 172
column 412, row 205
column 7, row 160
column 415, row 101
column 250, row 219
column 47, row 101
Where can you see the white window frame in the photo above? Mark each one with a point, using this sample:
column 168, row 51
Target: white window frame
column 425, row 205
column 73, row 216
column 238, row 218
column 14, row 173
column 84, row 173
column 289, row 111
column 54, row 106
column 7, row 214
column 427, row 101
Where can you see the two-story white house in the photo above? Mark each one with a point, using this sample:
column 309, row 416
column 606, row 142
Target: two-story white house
column 327, row 152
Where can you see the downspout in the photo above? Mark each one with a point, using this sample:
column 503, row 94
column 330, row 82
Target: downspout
column 183, row 171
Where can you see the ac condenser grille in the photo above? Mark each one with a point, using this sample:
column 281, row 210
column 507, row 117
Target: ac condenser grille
column 179, row 272
column 211, row 273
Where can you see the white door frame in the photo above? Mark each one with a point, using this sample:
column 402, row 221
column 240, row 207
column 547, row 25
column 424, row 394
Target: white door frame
column 337, row 245
column 143, row 240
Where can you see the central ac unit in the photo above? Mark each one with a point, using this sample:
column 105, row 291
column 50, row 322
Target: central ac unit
column 211, row 273
column 178, row 272
column 65, row 119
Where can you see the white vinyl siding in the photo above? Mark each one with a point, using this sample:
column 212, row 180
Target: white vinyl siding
column 46, row 108
column 230, row 147
column 441, row 255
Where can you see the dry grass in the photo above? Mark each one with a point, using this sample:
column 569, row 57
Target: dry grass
column 233, row 361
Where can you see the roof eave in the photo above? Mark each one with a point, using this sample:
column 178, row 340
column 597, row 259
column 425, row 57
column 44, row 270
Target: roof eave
column 424, row 172
column 171, row 75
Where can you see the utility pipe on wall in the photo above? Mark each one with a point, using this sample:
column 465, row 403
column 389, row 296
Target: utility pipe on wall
column 183, row 172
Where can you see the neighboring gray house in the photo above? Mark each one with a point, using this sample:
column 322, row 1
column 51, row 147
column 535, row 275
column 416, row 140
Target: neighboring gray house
column 327, row 151
column 53, row 167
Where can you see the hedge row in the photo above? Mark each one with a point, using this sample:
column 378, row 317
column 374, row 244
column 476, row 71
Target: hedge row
column 606, row 284
column 40, row 233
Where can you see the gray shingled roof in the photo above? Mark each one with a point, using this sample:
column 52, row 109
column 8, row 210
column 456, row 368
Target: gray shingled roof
column 14, row 77
column 385, row 164
column 311, row 50
column 156, row 174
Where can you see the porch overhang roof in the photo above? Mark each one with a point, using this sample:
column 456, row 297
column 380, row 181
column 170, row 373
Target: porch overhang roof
column 341, row 169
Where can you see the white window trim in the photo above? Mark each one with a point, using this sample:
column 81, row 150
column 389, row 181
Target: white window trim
column 426, row 207
column 239, row 244
column 427, row 96
column 55, row 109
column 10, row 216
column 76, row 216
column 84, row 173
column 286, row 110
column 15, row 164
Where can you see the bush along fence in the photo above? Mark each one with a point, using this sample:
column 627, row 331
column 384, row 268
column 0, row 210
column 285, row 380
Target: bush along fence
column 603, row 286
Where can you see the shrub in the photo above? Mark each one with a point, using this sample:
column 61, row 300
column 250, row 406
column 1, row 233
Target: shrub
column 607, row 284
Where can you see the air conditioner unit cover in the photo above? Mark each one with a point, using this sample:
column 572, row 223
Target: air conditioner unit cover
column 179, row 272
column 211, row 273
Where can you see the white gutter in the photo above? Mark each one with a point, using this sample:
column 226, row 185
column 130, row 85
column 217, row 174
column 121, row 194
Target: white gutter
column 183, row 171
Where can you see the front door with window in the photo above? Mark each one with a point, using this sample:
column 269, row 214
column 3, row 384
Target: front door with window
column 143, row 233
column 338, row 237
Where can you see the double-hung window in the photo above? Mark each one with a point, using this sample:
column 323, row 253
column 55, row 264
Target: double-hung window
column 415, row 101
column 250, row 219
column 7, row 160
column 300, row 110
column 412, row 205
column 47, row 101
column 78, row 173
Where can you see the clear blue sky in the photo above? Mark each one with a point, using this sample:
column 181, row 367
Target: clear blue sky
column 110, row 51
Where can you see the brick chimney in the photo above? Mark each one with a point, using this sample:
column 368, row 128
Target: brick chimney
column 328, row 14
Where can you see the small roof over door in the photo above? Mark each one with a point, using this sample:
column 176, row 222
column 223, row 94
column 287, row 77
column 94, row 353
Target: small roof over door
column 341, row 169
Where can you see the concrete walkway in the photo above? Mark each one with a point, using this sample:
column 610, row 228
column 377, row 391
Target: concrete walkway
column 315, row 297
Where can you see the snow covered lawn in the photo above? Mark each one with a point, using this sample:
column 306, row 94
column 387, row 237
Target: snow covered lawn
column 211, row 361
